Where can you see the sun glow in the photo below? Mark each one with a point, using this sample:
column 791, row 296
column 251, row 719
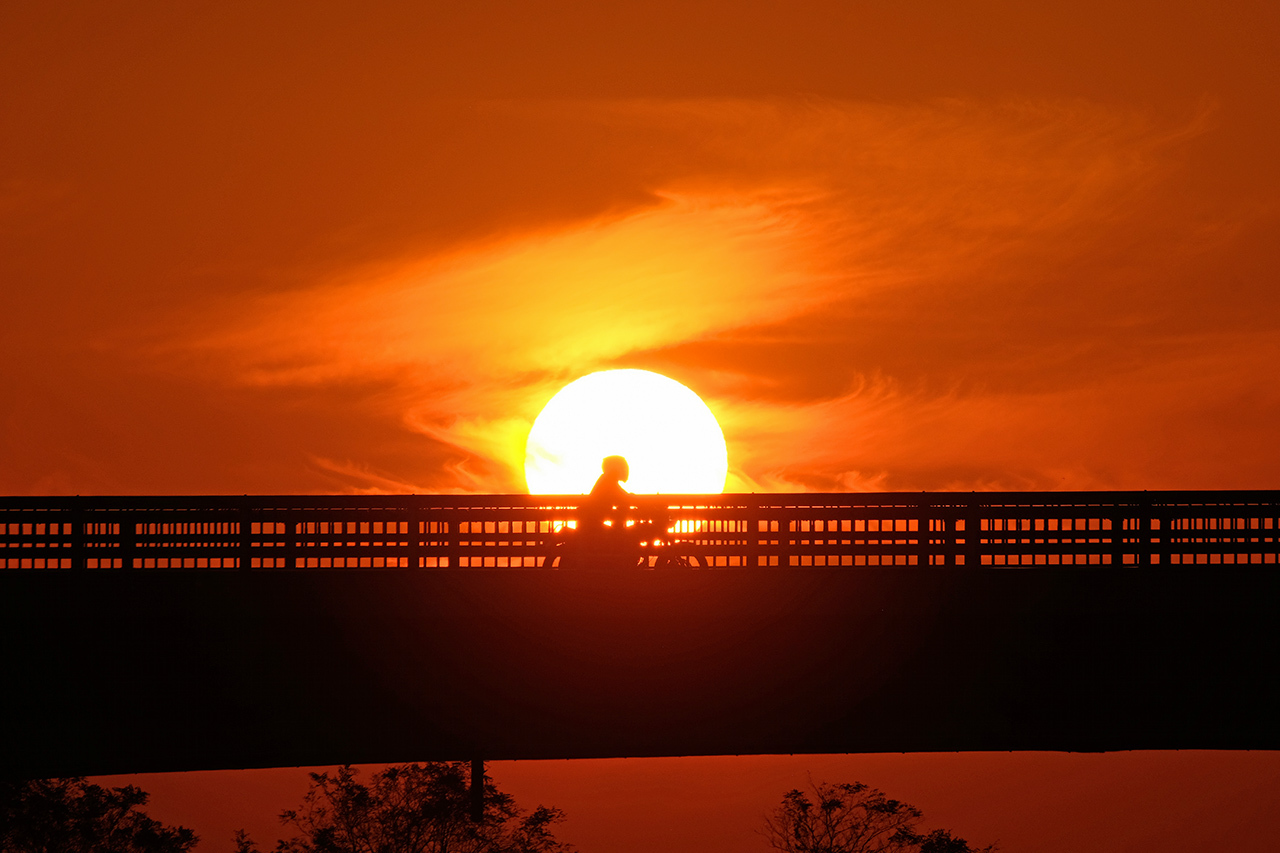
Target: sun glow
column 668, row 435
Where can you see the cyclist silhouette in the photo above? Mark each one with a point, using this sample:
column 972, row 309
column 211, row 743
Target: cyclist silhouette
column 606, row 537
column 608, row 501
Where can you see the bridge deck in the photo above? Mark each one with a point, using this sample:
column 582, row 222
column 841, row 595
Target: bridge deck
column 219, row 639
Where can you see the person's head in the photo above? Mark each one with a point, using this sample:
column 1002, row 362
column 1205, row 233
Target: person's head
column 616, row 468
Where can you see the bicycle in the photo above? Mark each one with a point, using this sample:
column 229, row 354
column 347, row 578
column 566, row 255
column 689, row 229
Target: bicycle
column 646, row 544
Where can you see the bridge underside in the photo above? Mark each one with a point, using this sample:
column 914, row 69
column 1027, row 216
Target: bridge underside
column 159, row 670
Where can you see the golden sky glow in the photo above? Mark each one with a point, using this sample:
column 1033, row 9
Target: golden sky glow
column 1007, row 248
column 670, row 439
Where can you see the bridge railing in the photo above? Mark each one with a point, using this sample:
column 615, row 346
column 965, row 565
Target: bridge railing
column 714, row 531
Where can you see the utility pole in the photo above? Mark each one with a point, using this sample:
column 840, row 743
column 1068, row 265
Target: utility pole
column 477, row 789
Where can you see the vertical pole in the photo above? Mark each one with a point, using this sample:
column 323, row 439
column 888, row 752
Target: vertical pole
column 416, row 537
column 451, row 523
column 972, row 533
column 754, row 532
column 1144, row 535
column 924, row 532
column 246, row 535
column 126, row 539
column 79, row 532
column 477, row 789
column 294, row 529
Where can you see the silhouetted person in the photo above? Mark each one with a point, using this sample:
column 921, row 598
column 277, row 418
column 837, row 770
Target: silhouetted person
column 608, row 501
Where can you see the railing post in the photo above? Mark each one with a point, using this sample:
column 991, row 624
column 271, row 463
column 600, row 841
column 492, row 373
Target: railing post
column 451, row 538
column 127, row 538
column 751, row 511
column 924, row 531
column 972, row 533
column 1117, row 539
column 246, row 535
column 79, row 529
column 293, row 536
column 413, row 511
column 1144, row 531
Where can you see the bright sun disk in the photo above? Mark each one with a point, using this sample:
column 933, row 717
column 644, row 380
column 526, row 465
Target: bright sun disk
column 670, row 438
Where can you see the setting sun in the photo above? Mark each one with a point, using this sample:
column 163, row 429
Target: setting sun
column 668, row 435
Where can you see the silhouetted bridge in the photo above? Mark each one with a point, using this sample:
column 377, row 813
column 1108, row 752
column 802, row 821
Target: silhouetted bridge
column 166, row 633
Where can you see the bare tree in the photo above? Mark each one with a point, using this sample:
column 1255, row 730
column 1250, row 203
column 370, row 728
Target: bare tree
column 852, row 817
column 411, row 808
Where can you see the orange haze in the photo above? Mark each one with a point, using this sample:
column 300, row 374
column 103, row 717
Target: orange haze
column 307, row 248
column 321, row 247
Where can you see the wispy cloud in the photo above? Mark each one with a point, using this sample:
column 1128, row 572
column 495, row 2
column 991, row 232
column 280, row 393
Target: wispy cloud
column 869, row 296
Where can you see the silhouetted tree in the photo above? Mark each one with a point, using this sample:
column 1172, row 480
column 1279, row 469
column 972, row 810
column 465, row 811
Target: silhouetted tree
column 854, row 818
column 73, row 816
column 411, row 808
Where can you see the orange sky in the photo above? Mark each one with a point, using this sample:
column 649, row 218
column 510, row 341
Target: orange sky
column 307, row 248
column 313, row 247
